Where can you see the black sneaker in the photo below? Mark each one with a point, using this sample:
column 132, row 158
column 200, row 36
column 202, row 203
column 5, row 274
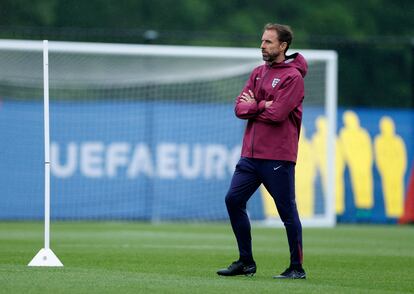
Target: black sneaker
column 291, row 273
column 238, row 268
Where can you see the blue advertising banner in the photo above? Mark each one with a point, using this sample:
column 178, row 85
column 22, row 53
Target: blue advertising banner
column 119, row 160
column 173, row 161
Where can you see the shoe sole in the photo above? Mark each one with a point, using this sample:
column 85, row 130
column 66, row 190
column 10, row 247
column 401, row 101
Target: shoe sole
column 289, row 278
column 251, row 274
column 242, row 274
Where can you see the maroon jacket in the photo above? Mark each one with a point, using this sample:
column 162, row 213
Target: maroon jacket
column 273, row 133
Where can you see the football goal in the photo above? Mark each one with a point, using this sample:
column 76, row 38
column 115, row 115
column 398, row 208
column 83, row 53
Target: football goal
column 148, row 132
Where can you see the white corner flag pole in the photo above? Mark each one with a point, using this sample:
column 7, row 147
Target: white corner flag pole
column 46, row 257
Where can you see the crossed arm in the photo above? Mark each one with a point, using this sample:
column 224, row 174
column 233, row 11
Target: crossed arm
column 249, row 99
column 272, row 111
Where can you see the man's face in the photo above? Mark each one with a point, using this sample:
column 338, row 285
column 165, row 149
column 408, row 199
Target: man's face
column 271, row 47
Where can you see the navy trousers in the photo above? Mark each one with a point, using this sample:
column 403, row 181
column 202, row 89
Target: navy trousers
column 279, row 179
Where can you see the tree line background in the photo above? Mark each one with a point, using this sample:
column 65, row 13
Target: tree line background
column 374, row 38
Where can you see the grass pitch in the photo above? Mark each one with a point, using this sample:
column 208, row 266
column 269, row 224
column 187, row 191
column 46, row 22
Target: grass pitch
column 117, row 257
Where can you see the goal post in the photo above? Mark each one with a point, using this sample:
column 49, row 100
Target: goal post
column 147, row 132
column 46, row 257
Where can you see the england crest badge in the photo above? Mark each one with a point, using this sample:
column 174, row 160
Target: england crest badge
column 275, row 82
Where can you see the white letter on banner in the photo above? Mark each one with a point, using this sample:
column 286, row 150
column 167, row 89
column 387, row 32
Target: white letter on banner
column 141, row 162
column 116, row 156
column 91, row 159
column 63, row 171
column 187, row 170
column 167, row 161
column 216, row 159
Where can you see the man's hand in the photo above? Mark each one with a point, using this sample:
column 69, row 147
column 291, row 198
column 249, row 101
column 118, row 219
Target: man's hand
column 247, row 97
column 268, row 103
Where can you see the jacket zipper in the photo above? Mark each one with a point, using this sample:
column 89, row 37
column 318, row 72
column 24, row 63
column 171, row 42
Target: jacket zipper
column 261, row 84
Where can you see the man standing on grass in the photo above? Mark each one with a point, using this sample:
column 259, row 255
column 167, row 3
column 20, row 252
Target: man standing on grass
column 271, row 102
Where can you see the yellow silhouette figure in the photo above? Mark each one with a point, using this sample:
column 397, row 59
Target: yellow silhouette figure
column 391, row 161
column 357, row 150
column 269, row 205
column 339, row 179
column 320, row 147
column 305, row 177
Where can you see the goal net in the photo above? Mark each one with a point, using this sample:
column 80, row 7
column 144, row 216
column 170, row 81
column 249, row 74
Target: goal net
column 146, row 132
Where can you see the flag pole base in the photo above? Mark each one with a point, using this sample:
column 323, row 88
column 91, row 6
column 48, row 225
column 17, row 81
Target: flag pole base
column 45, row 257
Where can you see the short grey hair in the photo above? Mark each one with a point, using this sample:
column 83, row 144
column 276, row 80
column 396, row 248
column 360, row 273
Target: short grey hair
column 284, row 32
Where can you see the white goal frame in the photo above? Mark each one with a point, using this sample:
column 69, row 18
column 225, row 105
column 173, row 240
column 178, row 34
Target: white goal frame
column 329, row 56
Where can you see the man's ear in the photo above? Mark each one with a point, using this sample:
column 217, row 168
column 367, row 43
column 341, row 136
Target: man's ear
column 283, row 46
